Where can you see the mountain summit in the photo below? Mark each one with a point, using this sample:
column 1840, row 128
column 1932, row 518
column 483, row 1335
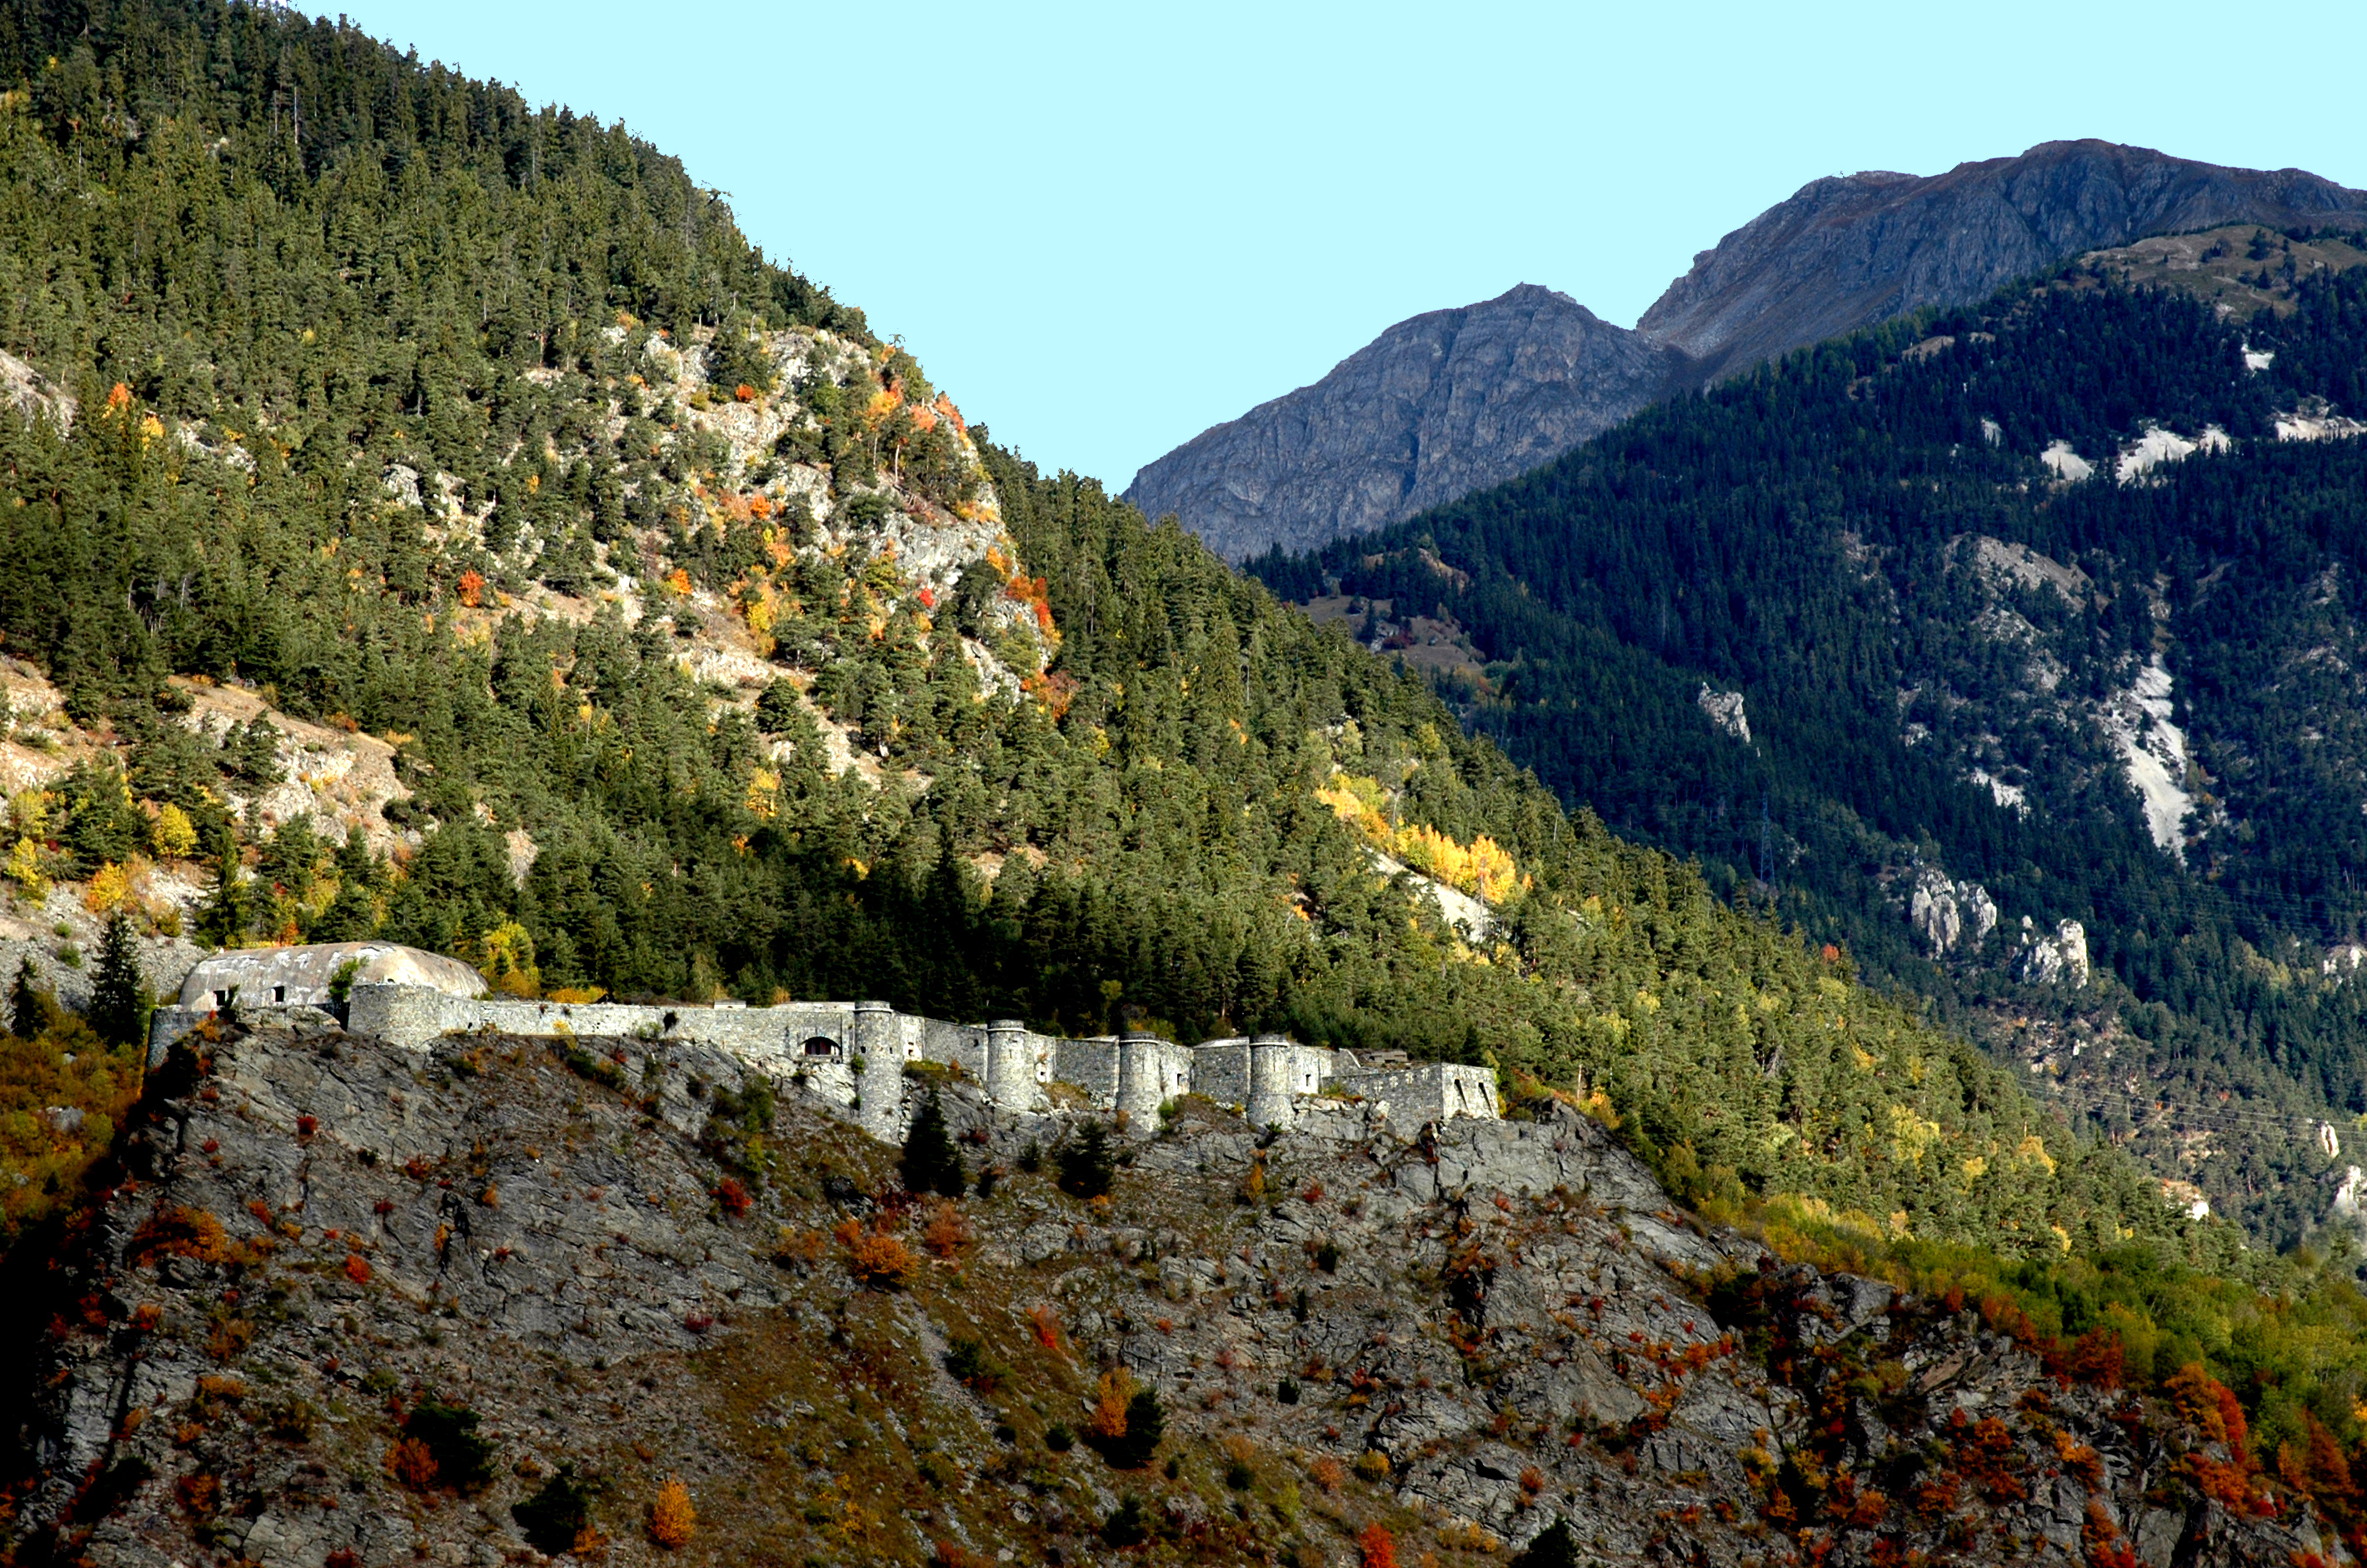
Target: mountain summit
column 1437, row 406
column 1453, row 400
column 1847, row 253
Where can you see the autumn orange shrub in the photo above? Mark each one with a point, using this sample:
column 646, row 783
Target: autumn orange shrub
column 1327, row 1473
column 1376, row 1548
column 672, row 1519
column 197, row 1494
column 947, row 1231
column 2224, row 1483
column 357, row 1268
column 1937, row 1498
column 472, row 587
column 412, row 1463
column 2202, row 1399
column 182, row 1232
column 744, row 393
column 2103, row 1539
column 1107, row 1423
column 876, row 1259
column 2081, row 1460
column 1047, row 1322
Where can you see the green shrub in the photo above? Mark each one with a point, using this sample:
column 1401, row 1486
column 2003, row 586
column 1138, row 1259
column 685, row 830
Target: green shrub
column 464, row 1460
column 556, row 1515
column 969, row 1362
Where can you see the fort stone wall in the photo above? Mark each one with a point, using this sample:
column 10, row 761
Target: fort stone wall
column 855, row 1054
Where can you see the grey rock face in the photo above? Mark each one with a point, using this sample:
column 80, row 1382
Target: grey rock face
column 1434, row 408
column 2061, row 958
column 1946, row 913
column 1481, row 1326
column 1848, row 252
column 1456, row 400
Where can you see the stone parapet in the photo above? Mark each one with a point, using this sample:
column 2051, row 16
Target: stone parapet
column 857, row 1053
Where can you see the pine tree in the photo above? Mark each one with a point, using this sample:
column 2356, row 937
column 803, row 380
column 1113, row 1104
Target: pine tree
column 1087, row 1169
column 931, row 1163
column 222, row 920
column 1146, row 1424
column 24, row 1004
column 119, row 996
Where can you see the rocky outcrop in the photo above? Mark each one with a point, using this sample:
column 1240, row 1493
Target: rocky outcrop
column 2059, row 960
column 1951, row 915
column 1725, row 709
column 1456, row 400
column 1434, row 408
column 353, row 1307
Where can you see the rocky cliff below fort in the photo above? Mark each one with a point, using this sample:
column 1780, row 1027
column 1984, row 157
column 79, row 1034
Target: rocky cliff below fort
column 1456, row 400
column 349, row 1303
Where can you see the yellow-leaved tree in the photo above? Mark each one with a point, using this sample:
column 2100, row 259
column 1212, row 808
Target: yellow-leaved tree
column 671, row 1518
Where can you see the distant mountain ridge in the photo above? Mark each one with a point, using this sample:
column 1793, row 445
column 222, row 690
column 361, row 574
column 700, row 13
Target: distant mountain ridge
column 1454, row 401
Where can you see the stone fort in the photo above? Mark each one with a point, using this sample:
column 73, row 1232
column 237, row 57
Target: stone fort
column 850, row 1053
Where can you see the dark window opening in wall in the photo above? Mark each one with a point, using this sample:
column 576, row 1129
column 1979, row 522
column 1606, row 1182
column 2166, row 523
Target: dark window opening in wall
column 821, row 1045
column 221, row 998
column 280, row 994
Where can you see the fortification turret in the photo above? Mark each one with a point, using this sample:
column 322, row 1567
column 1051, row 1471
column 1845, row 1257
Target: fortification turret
column 1139, row 1087
column 1010, row 1064
column 1272, row 1101
column 880, row 1044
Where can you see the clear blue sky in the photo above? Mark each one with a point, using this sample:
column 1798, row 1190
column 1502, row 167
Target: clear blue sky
column 1103, row 228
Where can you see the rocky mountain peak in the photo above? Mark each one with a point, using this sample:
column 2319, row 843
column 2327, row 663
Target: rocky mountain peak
column 1847, row 251
column 1456, row 400
column 1437, row 406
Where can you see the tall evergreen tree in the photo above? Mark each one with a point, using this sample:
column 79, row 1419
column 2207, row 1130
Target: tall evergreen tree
column 25, row 1003
column 1086, row 1167
column 930, row 1163
column 223, row 918
column 119, row 993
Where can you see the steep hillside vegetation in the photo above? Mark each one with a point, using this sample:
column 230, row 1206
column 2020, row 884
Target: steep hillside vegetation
column 427, row 518
column 1929, row 634
column 715, row 654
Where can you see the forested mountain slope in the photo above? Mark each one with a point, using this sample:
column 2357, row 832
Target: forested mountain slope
column 1410, row 422
column 427, row 518
column 1931, row 632
column 712, row 653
